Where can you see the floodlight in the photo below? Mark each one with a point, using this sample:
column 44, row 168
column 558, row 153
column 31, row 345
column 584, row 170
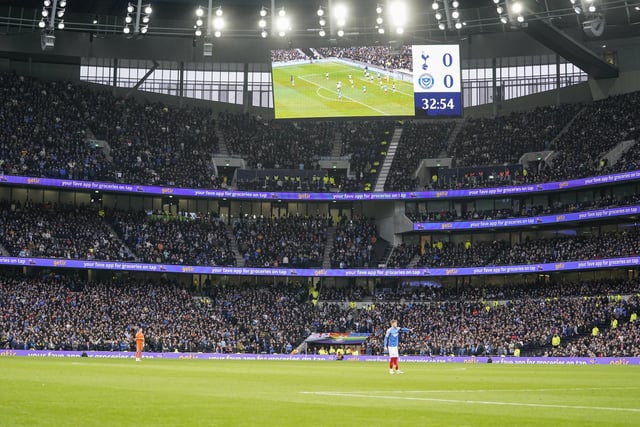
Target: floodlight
column 219, row 11
column 145, row 19
column 441, row 26
column 340, row 33
column 516, row 7
column 341, row 22
column 592, row 8
column 520, row 18
column 41, row 24
column 217, row 34
column 262, row 23
column 126, row 30
column 61, row 25
column 380, row 30
column 199, row 22
column 378, row 9
column 455, row 14
column 398, row 13
column 320, row 11
column 379, row 20
column 282, row 12
column 199, row 11
column 503, row 19
column 148, row 10
column 322, row 33
column 60, row 13
column 322, row 22
column 218, row 23
column 499, row 9
column 434, row 5
column 263, row 12
column 62, row 3
column 458, row 25
column 130, row 8
column 455, row 4
column 264, row 34
column 47, row 3
column 45, row 13
column 438, row 16
column 340, row 11
column 144, row 29
column 198, row 32
column 128, row 19
column 399, row 30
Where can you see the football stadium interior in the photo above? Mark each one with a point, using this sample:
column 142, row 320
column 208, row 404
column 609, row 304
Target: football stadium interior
column 279, row 179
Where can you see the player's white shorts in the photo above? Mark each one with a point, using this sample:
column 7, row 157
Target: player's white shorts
column 393, row 351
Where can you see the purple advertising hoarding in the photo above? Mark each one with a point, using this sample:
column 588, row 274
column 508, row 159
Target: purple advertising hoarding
column 534, row 220
column 568, row 361
column 309, row 272
column 268, row 195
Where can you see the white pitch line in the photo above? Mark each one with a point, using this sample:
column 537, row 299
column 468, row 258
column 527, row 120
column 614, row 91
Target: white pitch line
column 506, row 390
column 346, row 97
column 477, row 402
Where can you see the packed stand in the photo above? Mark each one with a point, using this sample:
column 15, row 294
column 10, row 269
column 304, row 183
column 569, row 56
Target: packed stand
column 525, row 211
column 276, row 144
column 590, row 319
column 600, row 127
column 500, row 252
column 169, row 239
column 52, row 231
column 287, row 55
column 367, row 143
column 288, row 241
column 48, row 130
column 504, row 139
column 357, row 244
column 403, row 254
column 379, row 56
column 418, row 141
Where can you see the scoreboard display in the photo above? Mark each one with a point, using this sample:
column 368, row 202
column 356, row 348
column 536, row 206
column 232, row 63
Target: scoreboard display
column 436, row 80
column 421, row 81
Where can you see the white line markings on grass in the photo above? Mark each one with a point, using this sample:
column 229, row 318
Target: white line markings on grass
column 346, row 97
column 473, row 402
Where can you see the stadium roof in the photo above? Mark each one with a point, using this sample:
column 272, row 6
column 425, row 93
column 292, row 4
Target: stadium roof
column 177, row 17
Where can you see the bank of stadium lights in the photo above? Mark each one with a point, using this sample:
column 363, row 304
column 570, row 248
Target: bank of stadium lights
column 517, row 9
column 212, row 17
column 137, row 19
column 52, row 17
column 448, row 16
column 340, row 13
column 501, row 11
column 262, row 22
column 584, row 6
column 283, row 24
column 379, row 19
column 322, row 21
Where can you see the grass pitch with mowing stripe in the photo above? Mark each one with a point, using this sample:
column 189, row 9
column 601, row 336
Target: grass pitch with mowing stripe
column 313, row 95
column 104, row 392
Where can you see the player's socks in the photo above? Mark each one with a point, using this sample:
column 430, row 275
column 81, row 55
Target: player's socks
column 391, row 371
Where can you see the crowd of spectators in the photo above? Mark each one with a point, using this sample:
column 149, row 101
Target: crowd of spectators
column 65, row 231
column 402, row 255
column 367, row 143
column 418, row 141
column 379, row 56
column 287, row 55
column 49, row 129
column 590, row 319
column 271, row 144
column 600, row 126
column 531, row 251
column 504, row 139
column 288, row 241
column 356, row 243
column 526, row 210
column 155, row 237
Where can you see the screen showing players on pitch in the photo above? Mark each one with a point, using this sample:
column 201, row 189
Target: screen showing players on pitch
column 420, row 81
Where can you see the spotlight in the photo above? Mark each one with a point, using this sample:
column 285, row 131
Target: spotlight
column 41, row 24
column 458, row 25
column 438, row 16
column 263, row 12
column 145, row 19
column 320, row 12
column 520, row 18
column 130, row 8
column 128, row 19
column 47, row 3
column 264, row 34
column 63, row 3
column 341, row 22
column 282, row 33
column 340, row 33
column 126, row 30
column 219, row 11
column 198, row 32
column 441, row 26
column 434, row 5
column 499, row 9
column 399, row 30
column 379, row 9
column 262, row 23
column 455, row 14
column 592, row 8
column 199, row 11
column 61, row 13
column 380, row 30
column 199, row 22
column 45, row 13
column 455, row 4
column 379, row 20
column 282, row 12
column 217, row 34
column 61, row 25
column 503, row 19
column 322, row 22
column 322, row 33
column 144, row 29
column 95, row 20
column 516, row 7
column 148, row 10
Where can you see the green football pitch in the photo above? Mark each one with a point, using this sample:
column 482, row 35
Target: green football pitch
column 107, row 392
column 303, row 90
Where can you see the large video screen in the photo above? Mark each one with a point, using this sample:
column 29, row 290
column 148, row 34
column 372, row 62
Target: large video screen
column 413, row 81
